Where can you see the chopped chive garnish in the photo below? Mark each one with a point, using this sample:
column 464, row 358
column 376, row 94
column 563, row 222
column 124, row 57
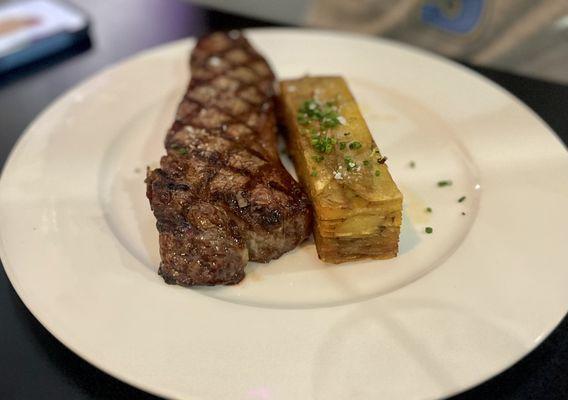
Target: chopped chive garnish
column 366, row 163
column 428, row 209
column 428, row 229
column 355, row 145
column 314, row 173
column 349, row 163
column 412, row 164
column 323, row 144
column 377, row 173
column 461, row 199
column 183, row 151
column 444, row 183
column 318, row 158
column 314, row 111
column 342, row 145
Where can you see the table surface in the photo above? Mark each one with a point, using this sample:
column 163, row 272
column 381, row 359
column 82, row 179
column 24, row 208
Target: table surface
column 33, row 363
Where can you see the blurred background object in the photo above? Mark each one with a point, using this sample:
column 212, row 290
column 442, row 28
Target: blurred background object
column 33, row 30
column 523, row 36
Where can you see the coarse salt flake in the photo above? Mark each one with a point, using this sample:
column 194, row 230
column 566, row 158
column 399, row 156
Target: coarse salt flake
column 234, row 34
column 214, row 61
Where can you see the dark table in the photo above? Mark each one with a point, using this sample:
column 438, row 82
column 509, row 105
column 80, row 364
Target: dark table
column 33, row 364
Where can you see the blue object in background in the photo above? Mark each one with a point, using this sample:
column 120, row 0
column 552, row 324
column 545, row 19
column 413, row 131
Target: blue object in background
column 41, row 49
column 464, row 21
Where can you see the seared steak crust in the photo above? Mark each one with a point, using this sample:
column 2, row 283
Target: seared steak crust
column 221, row 196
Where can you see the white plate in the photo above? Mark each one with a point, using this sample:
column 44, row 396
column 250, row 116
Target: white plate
column 79, row 245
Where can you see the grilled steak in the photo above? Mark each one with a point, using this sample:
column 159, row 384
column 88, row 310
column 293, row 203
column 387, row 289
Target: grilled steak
column 221, row 196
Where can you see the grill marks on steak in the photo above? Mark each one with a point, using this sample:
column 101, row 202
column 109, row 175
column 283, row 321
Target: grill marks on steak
column 221, row 196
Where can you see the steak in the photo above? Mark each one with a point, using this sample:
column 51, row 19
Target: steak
column 221, row 196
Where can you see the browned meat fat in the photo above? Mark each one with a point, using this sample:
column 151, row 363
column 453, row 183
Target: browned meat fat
column 221, row 197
